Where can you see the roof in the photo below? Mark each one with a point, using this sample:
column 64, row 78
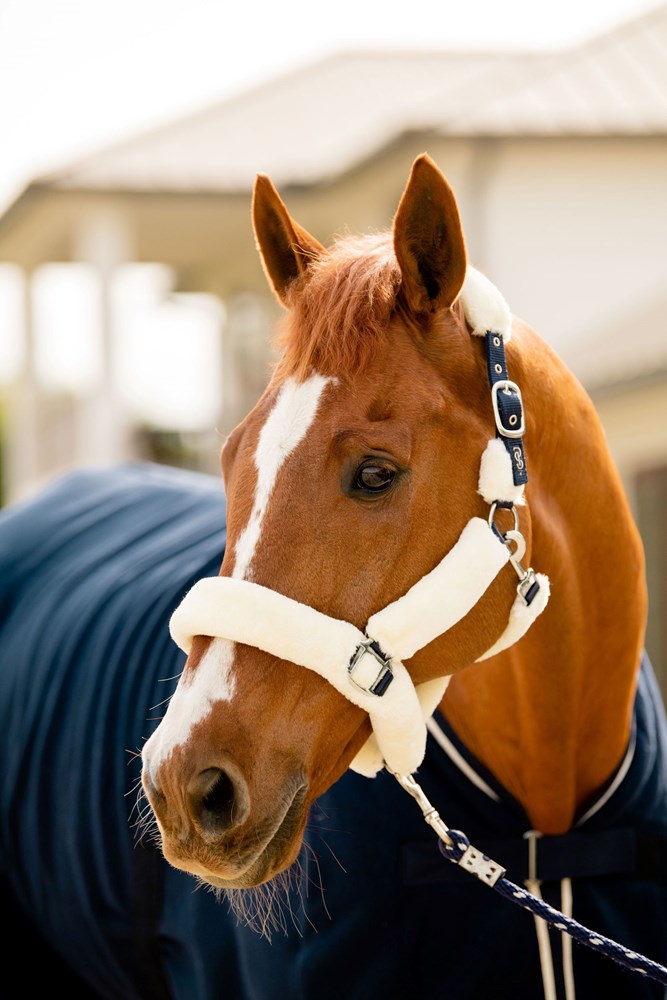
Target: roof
column 301, row 129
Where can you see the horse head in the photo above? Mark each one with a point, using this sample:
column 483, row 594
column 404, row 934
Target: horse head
column 351, row 479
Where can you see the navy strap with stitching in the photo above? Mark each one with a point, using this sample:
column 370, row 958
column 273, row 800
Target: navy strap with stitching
column 509, row 406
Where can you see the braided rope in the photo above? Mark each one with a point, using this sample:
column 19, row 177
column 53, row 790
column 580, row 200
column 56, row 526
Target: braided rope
column 459, row 844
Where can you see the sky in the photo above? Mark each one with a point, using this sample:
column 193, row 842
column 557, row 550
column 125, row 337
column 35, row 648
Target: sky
column 76, row 75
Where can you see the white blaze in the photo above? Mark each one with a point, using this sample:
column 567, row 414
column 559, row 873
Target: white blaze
column 287, row 425
column 192, row 701
column 213, row 680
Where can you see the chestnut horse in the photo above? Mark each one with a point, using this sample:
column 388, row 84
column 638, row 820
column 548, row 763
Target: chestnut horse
column 354, row 477
column 358, row 604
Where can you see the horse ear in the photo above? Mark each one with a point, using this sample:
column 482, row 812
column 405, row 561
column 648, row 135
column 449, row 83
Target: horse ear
column 285, row 248
column 428, row 240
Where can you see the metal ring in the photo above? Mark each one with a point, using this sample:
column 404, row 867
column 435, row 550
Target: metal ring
column 492, row 514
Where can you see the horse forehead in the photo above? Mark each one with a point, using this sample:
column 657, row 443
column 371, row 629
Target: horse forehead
column 287, row 424
column 288, row 421
column 256, row 450
column 282, row 428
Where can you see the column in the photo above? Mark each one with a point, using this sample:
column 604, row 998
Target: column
column 21, row 453
column 103, row 434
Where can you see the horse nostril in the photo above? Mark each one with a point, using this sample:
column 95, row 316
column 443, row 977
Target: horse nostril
column 218, row 800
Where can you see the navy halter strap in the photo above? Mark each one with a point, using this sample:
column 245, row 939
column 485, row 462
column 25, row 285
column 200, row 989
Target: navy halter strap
column 509, row 417
column 507, row 406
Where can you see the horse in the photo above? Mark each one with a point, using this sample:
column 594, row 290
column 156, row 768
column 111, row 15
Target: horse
column 355, row 603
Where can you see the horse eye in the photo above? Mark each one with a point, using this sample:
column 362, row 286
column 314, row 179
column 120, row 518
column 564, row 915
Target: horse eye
column 374, row 478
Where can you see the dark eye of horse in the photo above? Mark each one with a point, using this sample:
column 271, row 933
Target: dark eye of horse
column 374, row 478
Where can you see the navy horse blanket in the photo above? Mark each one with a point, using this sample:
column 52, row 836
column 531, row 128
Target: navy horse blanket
column 90, row 572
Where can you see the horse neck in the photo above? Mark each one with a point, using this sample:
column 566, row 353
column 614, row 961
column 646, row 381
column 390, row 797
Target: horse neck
column 551, row 716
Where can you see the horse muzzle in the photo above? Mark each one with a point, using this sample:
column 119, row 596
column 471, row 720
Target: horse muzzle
column 208, row 826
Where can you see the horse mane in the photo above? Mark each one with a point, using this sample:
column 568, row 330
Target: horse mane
column 338, row 311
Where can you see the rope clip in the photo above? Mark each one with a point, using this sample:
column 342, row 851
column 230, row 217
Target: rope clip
column 528, row 585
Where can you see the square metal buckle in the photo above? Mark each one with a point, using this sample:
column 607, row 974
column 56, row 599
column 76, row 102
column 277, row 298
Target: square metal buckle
column 384, row 676
column 511, row 388
column 528, row 586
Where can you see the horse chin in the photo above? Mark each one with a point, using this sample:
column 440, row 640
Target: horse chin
column 275, row 856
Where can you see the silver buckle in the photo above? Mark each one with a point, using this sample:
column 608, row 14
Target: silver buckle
column 525, row 584
column 384, row 676
column 508, row 387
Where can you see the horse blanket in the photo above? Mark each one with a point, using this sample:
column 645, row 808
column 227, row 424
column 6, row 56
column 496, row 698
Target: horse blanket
column 90, row 572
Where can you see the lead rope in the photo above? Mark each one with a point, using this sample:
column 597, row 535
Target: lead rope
column 456, row 847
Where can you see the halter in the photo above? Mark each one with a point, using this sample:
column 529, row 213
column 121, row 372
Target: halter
column 366, row 667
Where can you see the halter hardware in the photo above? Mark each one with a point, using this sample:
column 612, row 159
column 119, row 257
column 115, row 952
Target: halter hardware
column 507, row 405
column 470, row 858
column 383, row 678
column 528, row 584
column 508, row 388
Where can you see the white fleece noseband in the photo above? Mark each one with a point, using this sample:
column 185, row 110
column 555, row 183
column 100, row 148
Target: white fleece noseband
column 366, row 667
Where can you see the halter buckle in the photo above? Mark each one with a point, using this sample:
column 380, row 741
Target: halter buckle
column 509, row 388
column 383, row 677
column 528, row 586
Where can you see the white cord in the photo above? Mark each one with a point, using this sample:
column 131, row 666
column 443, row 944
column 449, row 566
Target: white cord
column 566, row 908
column 544, row 944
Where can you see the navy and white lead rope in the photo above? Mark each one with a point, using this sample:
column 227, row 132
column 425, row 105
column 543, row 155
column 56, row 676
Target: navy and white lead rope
column 456, row 847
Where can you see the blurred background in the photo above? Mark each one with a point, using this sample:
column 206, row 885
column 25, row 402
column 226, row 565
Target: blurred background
column 135, row 319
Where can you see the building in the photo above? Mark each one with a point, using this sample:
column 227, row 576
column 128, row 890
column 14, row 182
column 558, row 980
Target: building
column 559, row 163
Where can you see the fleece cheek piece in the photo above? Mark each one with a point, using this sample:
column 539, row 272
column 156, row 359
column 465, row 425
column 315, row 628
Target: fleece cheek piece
column 495, row 475
column 253, row 615
column 246, row 612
